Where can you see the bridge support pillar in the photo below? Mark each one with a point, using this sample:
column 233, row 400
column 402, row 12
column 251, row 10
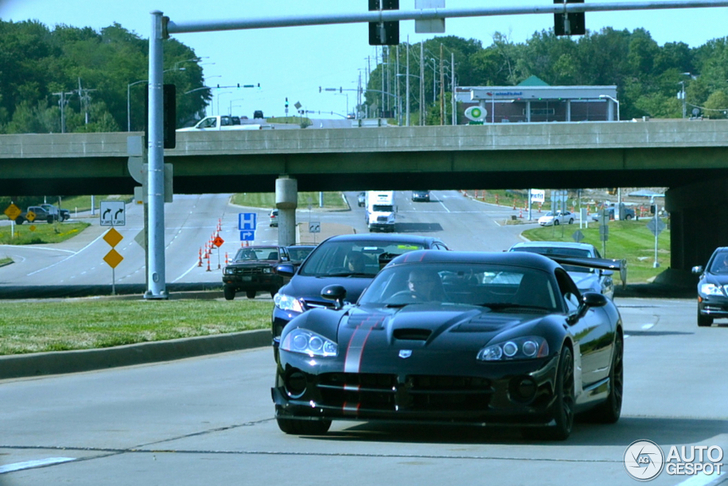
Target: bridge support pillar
column 286, row 202
column 698, row 213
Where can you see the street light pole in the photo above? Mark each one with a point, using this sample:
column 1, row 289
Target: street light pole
column 128, row 103
column 682, row 95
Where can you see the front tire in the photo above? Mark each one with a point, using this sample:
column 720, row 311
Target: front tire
column 229, row 293
column 304, row 427
column 556, row 222
column 563, row 407
column 704, row 321
column 250, row 294
column 610, row 411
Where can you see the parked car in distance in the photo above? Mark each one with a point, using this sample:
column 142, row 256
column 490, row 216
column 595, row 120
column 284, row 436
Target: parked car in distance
column 351, row 261
column 253, row 269
column 556, row 218
column 39, row 213
column 423, row 196
column 586, row 279
column 712, row 299
column 629, row 213
column 361, row 199
column 436, row 339
column 274, row 218
column 298, row 253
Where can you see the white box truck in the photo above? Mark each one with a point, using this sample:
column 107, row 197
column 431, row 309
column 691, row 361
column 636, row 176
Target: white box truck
column 381, row 210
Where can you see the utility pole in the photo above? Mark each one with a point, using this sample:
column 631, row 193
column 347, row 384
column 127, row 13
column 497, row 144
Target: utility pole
column 63, row 102
column 422, row 84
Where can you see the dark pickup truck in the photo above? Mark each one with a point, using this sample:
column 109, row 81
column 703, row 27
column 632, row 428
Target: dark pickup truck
column 44, row 212
column 254, row 269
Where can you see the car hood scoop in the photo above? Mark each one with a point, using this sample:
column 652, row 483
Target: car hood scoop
column 424, row 323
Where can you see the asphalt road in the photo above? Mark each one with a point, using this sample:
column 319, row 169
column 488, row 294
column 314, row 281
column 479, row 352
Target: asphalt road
column 209, row 420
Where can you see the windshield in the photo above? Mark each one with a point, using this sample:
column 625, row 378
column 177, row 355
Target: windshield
column 563, row 252
column 382, row 208
column 298, row 254
column 353, row 258
column 253, row 254
column 498, row 287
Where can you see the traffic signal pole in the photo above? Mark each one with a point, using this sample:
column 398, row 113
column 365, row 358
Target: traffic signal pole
column 162, row 27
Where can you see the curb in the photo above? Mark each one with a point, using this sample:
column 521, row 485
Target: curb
column 59, row 362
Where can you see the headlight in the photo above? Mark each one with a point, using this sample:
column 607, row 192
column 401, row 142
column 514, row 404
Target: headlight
column 229, row 271
column 310, row 343
column 710, row 289
column 519, row 348
column 267, row 270
column 287, row 303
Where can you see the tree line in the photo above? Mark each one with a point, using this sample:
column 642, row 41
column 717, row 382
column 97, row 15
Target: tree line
column 71, row 79
column 650, row 78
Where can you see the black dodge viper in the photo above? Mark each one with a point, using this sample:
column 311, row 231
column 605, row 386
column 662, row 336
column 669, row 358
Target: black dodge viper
column 456, row 338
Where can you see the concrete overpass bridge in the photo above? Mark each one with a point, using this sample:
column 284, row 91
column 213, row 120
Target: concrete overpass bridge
column 689, row 157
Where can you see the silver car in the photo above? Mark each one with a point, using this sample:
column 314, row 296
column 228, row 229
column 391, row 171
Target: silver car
column 586, row 279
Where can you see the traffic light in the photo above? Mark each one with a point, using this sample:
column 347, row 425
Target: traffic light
column 569, row 24
column 383, row 33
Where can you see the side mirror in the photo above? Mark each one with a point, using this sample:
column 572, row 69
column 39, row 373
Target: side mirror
column 588, row 300
column 337, row 293
column 697, row 270
column 286, row 269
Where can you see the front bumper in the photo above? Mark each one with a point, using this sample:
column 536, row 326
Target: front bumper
column 713, row 306
column 253, row 282
column 490, row 393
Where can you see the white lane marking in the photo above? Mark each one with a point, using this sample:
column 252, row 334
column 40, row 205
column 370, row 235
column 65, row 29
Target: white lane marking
column 647, row 326
column 18, row 466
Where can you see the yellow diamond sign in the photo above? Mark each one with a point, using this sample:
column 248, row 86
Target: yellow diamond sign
column 30, row 216
column 113, row 237
column 12, row 211
column 113, row 258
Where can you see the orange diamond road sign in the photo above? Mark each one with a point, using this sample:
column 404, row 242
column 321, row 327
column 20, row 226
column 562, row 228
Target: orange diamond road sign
column 113, row 258
column 113, row 237
column 218, row 241
column 12, row 211
column 30, row 216
column 32, row 227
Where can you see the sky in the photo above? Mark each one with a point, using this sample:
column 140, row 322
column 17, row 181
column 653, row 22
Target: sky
column 294, row 62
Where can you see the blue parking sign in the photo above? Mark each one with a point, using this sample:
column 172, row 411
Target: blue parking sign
column 247, row 221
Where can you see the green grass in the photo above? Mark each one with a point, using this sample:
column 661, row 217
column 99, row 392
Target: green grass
column 31, row 234
column 630, row 240
column 71, row 324
column 332, row 200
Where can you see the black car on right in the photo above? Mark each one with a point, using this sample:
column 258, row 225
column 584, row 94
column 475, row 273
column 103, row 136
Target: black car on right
column 713, row 288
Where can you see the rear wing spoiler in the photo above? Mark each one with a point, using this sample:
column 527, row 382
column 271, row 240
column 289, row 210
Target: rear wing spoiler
column 600, row 263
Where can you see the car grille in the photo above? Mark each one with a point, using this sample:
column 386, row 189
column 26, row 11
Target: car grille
column 248, row 270
column 412, row 393
column 381, row 219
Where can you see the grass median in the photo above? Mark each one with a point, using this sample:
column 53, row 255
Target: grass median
column 72, row 324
